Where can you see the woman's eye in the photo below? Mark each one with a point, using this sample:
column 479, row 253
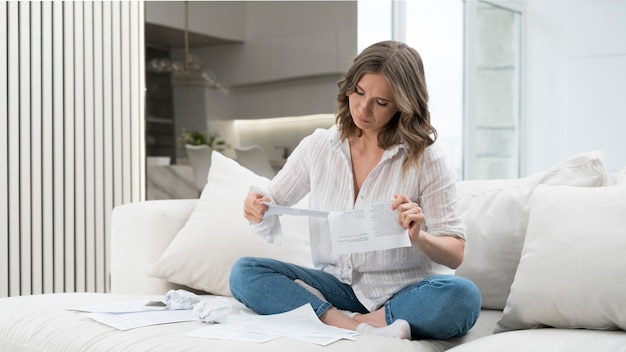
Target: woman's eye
column 382, row 103
column 359, row 92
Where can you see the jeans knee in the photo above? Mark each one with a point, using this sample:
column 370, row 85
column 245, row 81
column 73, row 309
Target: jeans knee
column 471, row 295
column 239, row 273
column 460, row 311
column 468, row 301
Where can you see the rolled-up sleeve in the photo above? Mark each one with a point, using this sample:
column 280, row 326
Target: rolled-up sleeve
column 438, row 198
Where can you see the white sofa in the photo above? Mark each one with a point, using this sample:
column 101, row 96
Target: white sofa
column 547, row 252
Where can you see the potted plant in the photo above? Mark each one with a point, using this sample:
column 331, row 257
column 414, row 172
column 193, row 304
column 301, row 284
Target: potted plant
column 212, row 140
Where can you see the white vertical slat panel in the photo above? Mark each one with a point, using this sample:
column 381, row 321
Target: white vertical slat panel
column 116, row 133
column 58, row 146
column 4, row 161
column 24, row 149
column 142, row 99
column 69, row 115
column 74, row 139
column 125, row 125
column 13, row 139
column 47, row 193
column 36, row 150
column 117, row 140
column 79, row 149
column 90, row 202
column 107, row 122
column 137, row 79
column 99, row 146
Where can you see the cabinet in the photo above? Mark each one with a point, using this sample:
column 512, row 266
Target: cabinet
column 160, row 134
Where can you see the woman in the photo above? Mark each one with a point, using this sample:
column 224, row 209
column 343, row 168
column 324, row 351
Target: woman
column 381, row 149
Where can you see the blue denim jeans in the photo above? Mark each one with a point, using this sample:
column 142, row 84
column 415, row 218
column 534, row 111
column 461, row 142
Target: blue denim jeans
column 440, row 307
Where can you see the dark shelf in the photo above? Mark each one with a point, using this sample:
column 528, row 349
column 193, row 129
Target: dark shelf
column 160, row 134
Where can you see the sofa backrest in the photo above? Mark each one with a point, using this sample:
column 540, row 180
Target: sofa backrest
column 496, row 212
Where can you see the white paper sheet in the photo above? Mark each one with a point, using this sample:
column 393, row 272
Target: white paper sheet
column 274, row 209
column 235, row 329
column 300, row 323
column 361, row 230
column 373, row 228
column 127, row 321
column 122, row 307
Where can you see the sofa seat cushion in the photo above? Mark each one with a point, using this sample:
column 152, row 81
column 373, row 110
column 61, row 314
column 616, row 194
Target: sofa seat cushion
column 484, row 326
column 548, row 340
column 42, row 323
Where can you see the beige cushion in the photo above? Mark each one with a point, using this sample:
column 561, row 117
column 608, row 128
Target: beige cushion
column 495, row 213
column 571, row 272
column 216, row 234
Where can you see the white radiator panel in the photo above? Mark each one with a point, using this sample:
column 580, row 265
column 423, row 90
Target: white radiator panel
column 72, row 107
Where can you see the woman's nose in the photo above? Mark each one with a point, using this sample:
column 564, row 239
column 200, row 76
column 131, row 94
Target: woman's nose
column 365, row 105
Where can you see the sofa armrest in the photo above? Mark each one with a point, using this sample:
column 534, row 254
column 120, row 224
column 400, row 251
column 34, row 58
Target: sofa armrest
column 140, row 233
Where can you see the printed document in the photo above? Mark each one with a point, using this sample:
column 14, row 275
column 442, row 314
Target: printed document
column 300, row 323
column 127, row 321
column 362, row 230
column 373, row 228
column 135, row 314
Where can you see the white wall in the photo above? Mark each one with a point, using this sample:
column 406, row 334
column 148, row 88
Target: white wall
column 270, row 134
column 575, row 82
column 292, row 55
column 220, row 19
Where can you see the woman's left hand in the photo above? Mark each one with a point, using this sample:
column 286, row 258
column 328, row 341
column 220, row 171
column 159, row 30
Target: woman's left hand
column 446, row 250
column 410, row 215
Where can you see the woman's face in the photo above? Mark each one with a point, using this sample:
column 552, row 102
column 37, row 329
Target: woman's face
column 372, row 103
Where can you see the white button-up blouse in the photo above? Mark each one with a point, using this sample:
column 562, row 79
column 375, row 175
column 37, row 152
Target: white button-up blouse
column 321, row 167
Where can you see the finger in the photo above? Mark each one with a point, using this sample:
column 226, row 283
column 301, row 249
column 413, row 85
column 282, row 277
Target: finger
column 254, row 218
column 404, row 207
column 259, row 204
column 255, row 211
column 248, row 216
column 399, row 199
column 253, row 207
column 414, row 221
column 258, row 209
column 409, row 213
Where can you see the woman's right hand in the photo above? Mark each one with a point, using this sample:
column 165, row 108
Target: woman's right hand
column 253, row 207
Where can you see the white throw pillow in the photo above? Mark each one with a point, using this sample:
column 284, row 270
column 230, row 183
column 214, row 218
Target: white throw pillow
column 216, row 234
column 619, row 178
column 571, row 272
column 495, row 213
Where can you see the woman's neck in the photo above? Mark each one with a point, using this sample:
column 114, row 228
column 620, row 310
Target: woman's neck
column 367, row 141
column 365, row 154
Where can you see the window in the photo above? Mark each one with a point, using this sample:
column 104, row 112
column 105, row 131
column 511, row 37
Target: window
column 472, row 57
column 435, row 29
column 492, row 90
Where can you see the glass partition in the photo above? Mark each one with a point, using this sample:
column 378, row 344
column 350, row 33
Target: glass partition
column 492, row 90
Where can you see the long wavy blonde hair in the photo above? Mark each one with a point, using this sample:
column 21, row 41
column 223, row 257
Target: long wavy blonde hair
column 402, row 66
